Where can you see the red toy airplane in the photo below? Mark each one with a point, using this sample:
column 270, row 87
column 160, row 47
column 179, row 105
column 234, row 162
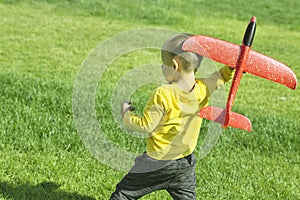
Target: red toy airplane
column 243, row 59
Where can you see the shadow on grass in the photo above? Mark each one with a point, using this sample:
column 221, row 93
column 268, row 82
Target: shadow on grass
column 44, row 190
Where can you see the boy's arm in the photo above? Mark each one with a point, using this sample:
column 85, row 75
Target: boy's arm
column 217, row 79
column 152, row 114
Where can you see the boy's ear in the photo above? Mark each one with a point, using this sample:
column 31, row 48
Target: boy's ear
column 176, row 63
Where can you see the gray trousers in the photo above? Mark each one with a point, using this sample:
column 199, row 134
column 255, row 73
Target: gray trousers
column 177, row 177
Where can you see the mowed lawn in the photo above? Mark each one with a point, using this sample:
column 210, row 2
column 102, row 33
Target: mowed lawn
column 43, row 45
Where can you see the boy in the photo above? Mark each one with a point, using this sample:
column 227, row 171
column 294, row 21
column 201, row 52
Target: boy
column 171, row 120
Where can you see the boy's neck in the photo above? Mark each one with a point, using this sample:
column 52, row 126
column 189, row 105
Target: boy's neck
column 186, row 81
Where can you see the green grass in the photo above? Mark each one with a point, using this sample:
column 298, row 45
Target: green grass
column 43, row 44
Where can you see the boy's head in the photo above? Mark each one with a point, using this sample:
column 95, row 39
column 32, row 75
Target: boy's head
column 172, row 51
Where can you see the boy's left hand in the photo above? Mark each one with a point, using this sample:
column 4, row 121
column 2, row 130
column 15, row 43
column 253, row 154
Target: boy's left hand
column 125, row 107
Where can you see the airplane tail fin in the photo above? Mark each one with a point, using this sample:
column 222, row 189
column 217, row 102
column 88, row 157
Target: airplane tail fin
column 218, row 115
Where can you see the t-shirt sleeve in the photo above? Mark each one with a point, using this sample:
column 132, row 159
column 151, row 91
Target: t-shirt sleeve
column 152, row 114
column 217, row 79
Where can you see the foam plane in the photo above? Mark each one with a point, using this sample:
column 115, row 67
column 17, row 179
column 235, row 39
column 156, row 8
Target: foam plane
column 243, row 59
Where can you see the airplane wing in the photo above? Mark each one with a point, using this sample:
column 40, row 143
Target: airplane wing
column 218, row 115
column 228, row 53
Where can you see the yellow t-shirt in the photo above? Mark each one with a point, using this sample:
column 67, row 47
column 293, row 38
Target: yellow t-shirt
column 171, row 117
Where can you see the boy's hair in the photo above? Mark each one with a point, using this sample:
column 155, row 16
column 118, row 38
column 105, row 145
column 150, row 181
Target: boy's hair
column 173, row 47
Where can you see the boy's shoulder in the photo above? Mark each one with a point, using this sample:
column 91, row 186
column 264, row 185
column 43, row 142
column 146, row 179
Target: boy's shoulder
column 170, row 88
column 165, row 88
column 201, row 82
